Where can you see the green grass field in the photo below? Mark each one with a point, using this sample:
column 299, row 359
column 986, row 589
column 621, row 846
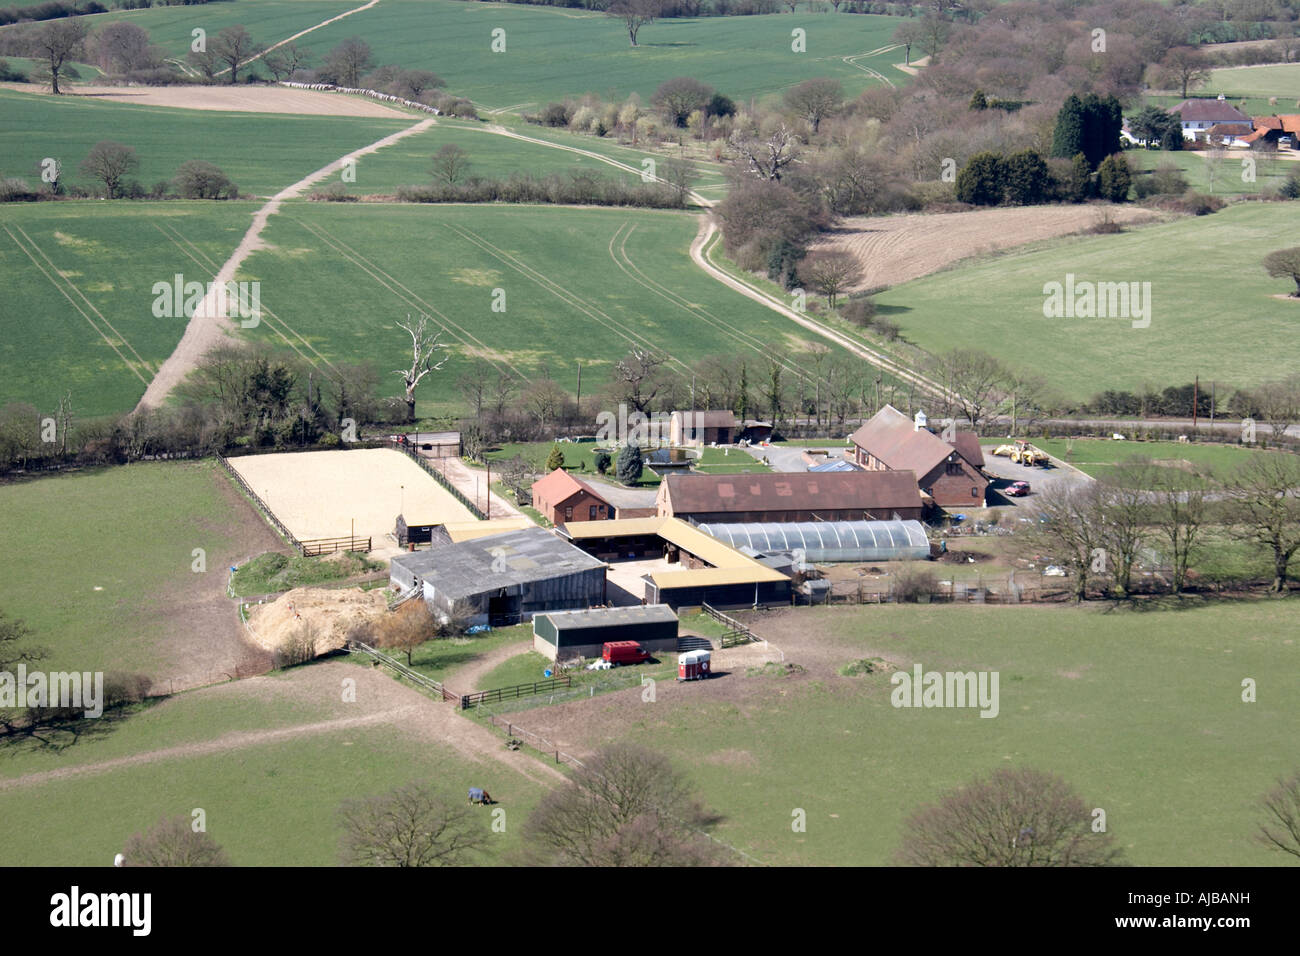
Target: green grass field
column 1141, row 713
column 268, row 804
column 552, row 53
column 1096, row 456
column 97, row 563
column 1276, row 79
column 1224, row 176
column 1238, row 339
column 582, row 285
column 276, row 151
column 79, row 278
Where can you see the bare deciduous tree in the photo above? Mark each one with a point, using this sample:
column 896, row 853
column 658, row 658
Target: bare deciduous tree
column 815, row 99
column 830, row 272
column 1069, row 532
column 1281, row 827
column 450, row 164
column 627, row 807
column 1013, row 817
column 410, row 826
column 232, row 46
column 1178, row 503
column 56, row 43
column 766, row 156
column 1266, row 504
column 639, row 377
column 285, row 61
column 173, row 842
column 635, row 14
column 424, row 351
column 349, row 60
column 110, row 162
column 977, row 382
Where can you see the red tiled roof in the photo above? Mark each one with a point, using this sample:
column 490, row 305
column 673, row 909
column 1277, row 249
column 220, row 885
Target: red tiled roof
column 891, row 438
column 879, row 492
column 560, row 485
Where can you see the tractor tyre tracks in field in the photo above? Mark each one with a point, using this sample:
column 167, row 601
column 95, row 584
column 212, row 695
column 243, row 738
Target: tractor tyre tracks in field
column 209, row 327
column 63, row 284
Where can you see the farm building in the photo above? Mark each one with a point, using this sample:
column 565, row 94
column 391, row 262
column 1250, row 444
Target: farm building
column 685, row 566
column 503, row 578
column 409, row 534
column 562, row 635
column 431, row 444
column 828, row 541
column 560, row 497
column 790, row 496
column 1197, row 115
column 698, row 428
column 1273, row 129
column 950, row 474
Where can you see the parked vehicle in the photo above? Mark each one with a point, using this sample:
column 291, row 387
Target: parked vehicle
column 693, row 665
column 624, row 652
column 1018, row 489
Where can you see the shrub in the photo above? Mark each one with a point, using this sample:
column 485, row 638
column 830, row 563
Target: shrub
column 913, row 581
column 860, row 311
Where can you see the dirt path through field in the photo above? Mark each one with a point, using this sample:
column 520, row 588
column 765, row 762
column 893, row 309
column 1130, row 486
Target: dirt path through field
column 209, row 326
column 302, row 33
column 707, row 230
column 467, row 679
column 381, row 700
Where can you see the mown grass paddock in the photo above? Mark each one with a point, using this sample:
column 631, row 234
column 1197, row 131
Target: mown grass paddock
column 127, row 595
column 1194, row 328
column 1141, row 711
column 268, row 761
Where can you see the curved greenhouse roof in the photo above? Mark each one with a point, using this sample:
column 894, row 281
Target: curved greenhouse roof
column 829, row 540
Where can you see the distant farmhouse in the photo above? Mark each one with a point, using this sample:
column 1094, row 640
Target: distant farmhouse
column 1199, row 116
column 951, row 475
column 790, row 496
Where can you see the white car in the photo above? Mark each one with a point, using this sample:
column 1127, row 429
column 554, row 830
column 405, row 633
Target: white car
column 599, row 665
column 1054, row 571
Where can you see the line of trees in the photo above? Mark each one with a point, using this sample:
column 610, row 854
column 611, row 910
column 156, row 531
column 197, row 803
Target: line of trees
column 1103, row 531
column 110, row 164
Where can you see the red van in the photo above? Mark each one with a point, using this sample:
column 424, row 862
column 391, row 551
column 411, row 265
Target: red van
column 624, row 652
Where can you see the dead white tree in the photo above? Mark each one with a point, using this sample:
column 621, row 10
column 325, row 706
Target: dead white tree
column 424, row 358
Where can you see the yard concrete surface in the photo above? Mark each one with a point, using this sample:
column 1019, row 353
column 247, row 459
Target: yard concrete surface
column 1003, row 471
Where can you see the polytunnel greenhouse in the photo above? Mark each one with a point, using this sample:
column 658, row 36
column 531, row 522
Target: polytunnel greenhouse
column 830, row 541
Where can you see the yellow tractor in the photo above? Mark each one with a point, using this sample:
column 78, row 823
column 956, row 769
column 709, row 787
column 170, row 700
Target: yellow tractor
column 1026, row 454
column 1004, row 451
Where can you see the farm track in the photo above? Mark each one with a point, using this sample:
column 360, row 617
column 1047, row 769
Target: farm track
column 708, row 229
column 208, row 328
column 743, row 338
column 204, row 261
column 301, row 33
column 56, row 276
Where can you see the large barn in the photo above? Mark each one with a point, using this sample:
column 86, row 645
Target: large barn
column 503, row 579
column 790, row 496
column 950, row 474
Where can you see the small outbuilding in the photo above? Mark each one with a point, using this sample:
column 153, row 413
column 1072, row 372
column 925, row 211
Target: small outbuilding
column 567, row 634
